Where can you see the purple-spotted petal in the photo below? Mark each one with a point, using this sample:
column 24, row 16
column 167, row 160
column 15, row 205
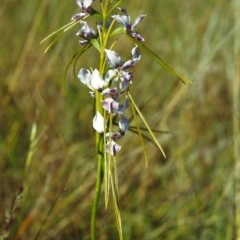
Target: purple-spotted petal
column 98, row 122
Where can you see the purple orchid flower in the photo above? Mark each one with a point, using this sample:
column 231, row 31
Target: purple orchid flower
column 125, row 21
column 86, row 33
column 112, row 147
column 110, row 105
column 111, row 92
column 93, row 80
column 114, row 60
column 85, row 9
column 123, row 124
column 113, row 135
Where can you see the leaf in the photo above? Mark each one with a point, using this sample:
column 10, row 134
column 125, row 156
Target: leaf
column 116, row 209
column 96, row 44
column 58, row 33
column 117, row 31
column 146, row 124
column 73, row 62
column 160, row 61
column 139, row 133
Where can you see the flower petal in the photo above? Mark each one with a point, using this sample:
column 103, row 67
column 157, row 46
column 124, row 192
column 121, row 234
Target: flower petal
column 84, row 4
column 110, row 75
column 136, row 56
column 112, row 147
column 84, row 75
column 78, row 16
column 137, row 21
column 110, row 105
column 111, row 92
column 98, row 122
column 96, row 80
column 124, row 20
column 123, row 124
column 113, row 58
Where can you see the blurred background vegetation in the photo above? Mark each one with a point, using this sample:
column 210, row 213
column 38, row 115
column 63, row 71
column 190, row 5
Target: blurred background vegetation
column 47, row 183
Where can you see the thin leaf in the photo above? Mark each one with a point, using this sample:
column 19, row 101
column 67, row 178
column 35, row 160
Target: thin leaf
column 139, row 133
column 116, row 210
column 73, row 62
column 161, row 62
column 60, row 30
column 96, row 44
column 146, row 124
column 53, row 42
column 117, row 31
column 115, row 174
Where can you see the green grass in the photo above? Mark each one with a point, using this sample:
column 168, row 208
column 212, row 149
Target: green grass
column 190, row 195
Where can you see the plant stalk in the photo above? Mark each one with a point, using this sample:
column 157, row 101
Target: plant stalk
column 98, row 186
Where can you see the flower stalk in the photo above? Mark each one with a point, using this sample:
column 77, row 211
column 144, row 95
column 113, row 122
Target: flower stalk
column 109, row 84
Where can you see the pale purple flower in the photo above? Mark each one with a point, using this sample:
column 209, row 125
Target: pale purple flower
column 84, row 4
column 110, row 75
column 111, row 92
column 113, row 135
column 126, row 79
column 125, row 21
column 122, row 107
column 114, row 60
column 123, row 124
column 85, row 9
column 93, row 80
column 136, row 56
column 86, row 33
column 98, row 122
column 110, row 105
column 112, row 147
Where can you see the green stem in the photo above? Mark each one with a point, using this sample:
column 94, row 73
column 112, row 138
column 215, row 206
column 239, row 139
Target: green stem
column 99, row 137
column 97, row 193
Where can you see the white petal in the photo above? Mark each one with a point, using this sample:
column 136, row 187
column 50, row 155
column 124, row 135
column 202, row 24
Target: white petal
column 87, row 3
column 96, row 80
column 124, row 20
column 110, row 75
column 84, row 75
column 114, row 60
column 98, row 122
column 136, row 54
